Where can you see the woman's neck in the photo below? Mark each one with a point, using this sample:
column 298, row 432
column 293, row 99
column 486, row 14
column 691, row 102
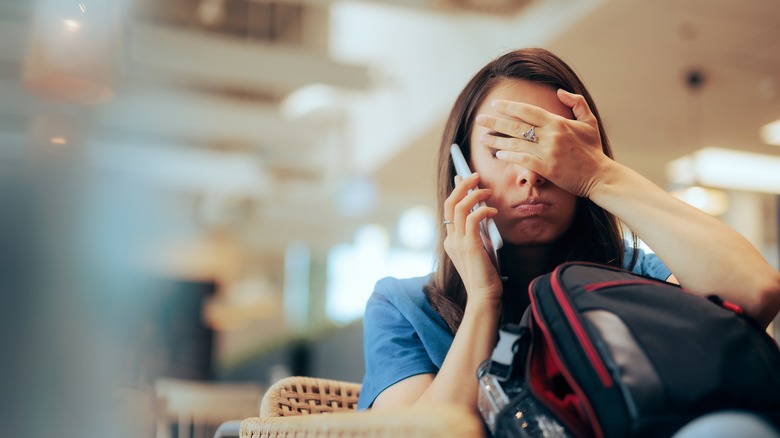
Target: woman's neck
column 521, row 264
column 525, row 263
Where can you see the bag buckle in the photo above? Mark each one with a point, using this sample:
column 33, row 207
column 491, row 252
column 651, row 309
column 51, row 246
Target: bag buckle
column 503, row 360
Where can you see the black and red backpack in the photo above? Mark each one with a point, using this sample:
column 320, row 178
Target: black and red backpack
column 607, row 353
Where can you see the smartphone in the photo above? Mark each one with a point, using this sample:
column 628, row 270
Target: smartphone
column 491, row 238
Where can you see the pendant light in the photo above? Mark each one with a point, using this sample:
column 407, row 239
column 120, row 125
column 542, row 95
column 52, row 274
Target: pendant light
column 72, row 51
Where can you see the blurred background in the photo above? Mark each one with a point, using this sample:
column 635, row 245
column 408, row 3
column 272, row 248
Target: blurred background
column 197, row 196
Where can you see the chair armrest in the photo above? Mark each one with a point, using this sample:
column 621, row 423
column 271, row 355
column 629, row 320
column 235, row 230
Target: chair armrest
column 229, row 429
column 418, row 421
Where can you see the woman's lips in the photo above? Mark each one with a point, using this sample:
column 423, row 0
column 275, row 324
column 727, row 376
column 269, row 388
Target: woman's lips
column 532, row 208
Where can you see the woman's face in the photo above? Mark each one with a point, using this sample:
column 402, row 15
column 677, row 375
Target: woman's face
column 531, row 210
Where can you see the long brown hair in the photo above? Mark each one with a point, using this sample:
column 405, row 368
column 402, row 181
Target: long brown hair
column 596, row 234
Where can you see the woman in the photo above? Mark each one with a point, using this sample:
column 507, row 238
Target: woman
column 543, row 165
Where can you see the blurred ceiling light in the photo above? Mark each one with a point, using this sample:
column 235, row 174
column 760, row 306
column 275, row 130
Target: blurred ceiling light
column 727, row 169
column 72, row 25
column 498, row 7
column 211, row 12
column 53, row 136
column 71, row 51
column 416, row 229
column 770, row 133
column 356, row 197
column 310, row 99
column 371, row 239
column 711, row 201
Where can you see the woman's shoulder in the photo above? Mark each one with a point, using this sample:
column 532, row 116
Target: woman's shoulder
column 401, row 289
column 647, row 263
column 403, row 301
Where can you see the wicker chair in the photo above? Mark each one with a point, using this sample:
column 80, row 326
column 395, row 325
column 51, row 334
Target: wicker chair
column 288, row 405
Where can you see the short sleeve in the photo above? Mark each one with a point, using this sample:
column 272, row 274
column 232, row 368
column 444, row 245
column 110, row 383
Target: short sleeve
column 647, row 264
column 393, row 348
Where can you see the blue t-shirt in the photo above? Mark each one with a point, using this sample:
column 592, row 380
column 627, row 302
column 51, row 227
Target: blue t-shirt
column 404, row 336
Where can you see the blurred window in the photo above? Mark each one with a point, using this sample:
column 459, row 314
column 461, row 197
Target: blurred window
column 354, row 269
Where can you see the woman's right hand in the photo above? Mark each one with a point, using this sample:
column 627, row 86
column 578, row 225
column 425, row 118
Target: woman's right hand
column 463, row 242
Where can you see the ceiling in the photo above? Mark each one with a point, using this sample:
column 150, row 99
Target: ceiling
column 207, row 88
column 636, row 57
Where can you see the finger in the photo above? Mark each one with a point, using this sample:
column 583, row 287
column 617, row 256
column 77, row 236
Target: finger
column 454, row 203
column 472, row 222
column 462, row 211
column 531, row 114
column 457, row 194
column 579, row 106
column 459, row 218
column 514, row 151
column 449, row 208
column 475, row 197
column 526, row 161
column 463, row 185
column 468, row 206
column 513, row 144
column 511, row 127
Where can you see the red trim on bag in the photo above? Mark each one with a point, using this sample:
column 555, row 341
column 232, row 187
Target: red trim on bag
column 574, row 402
column 586, row 407
column 542, row 369
column 579, row 331
column 605, row 284
column 733, row 307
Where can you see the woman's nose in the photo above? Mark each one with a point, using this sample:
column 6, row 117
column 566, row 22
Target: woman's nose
column 529, row 178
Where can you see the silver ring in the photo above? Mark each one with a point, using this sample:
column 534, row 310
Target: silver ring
column 530, row 135
column 446, row 222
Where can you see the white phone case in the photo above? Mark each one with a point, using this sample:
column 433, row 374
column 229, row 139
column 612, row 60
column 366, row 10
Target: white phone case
column 487, row 227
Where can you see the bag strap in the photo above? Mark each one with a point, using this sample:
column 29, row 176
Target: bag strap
column 510, row 352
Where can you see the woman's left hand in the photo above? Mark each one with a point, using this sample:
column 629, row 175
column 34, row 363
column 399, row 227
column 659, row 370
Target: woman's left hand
column 567, row 152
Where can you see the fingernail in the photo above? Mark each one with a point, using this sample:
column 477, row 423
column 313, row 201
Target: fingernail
column 500, row 155
column 494, row 103
column 484, row 138
column 481, row 119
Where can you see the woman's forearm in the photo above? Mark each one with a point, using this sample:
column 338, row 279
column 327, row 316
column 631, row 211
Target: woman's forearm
column 704, row 254
column 456, row 381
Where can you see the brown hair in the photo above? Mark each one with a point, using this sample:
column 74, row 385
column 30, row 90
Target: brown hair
column 596, row 235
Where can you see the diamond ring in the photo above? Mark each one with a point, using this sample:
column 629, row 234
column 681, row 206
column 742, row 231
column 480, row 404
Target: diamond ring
column 530, row 135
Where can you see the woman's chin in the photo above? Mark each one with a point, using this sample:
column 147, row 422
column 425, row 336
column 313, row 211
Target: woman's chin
column 527, row 238
column 532, row 233
column 530, row 241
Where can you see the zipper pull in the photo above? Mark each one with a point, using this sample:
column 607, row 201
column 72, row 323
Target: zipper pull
column 728, row 305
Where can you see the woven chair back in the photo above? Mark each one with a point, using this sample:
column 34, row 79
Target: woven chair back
column 307, row 395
